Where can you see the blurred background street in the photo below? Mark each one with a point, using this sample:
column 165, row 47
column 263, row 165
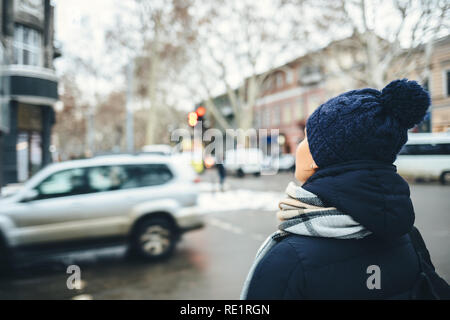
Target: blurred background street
column 208, row 264
column 126, row 126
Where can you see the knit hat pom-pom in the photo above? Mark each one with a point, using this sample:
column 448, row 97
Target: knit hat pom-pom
column 406, row 100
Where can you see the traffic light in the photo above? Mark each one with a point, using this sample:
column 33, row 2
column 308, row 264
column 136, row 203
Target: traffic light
column 200, row 112
column 192, row 119
column 195, row 117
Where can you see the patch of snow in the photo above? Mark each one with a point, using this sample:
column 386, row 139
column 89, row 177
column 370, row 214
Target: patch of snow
column 241, row 199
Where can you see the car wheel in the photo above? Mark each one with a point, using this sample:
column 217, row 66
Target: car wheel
column 154, row 239
column 257, row 174
column 240, row 173
column 445, row 177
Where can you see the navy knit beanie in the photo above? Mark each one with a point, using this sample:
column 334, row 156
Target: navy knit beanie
column 366, row 124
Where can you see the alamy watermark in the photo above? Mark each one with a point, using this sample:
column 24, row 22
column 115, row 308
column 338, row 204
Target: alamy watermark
column 74, row 280
column 263, row 143
column 374, row 280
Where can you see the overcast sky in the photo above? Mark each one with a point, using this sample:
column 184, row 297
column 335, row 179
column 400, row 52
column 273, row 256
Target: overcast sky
column 80, row 27
column 79, row 22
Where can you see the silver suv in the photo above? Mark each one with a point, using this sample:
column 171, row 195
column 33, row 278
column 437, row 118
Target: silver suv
column 145, row 201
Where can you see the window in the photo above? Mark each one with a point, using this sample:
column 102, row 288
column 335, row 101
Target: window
column 103, row 178
column 110, row 178
column 287, row 114
column 257, row 118
column 279, row 80
column 27, row 46
column 147, row 175
column 299, row 109
column 426, row 149
column 265, row 117
column 308, row 70
column 289, row 77
column 276, row 115
column 64, row 183
column 28, row 154
column 267, row 84
column 309, row 74
column 106, row 178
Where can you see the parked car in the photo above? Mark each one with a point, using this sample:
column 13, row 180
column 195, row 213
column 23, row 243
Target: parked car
column 144, row 201
column 427, row 156
column 281, row 162
column 242, row 161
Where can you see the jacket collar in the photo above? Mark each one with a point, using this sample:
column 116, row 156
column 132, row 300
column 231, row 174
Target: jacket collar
column 371, row 192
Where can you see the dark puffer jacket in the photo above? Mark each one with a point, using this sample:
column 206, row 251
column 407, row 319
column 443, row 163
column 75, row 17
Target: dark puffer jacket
column 301, row 267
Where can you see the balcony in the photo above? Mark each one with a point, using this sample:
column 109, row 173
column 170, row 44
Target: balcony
column 310, row 75
column 311, row 78
column 31, row 84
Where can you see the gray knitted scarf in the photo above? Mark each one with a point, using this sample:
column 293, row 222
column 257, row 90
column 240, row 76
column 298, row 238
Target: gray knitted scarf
column 303, row 213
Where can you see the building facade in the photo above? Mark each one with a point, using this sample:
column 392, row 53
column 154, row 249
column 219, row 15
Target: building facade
column 293, row 91
column 28, row 87
column 431, row 68
column 290, row 93
column 439, row 85
column 286, row 102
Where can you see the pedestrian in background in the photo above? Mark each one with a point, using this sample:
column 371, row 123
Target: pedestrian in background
column 345, row 233
column 221, row 170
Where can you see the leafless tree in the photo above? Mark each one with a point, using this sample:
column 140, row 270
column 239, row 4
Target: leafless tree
column 69, row 131
column 391, row 37
column 154, row 34
column 239, row 43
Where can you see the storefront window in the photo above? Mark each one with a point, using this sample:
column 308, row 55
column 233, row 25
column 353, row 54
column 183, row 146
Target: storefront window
column 22, row 157
column 29, row 141
column 29, row 154
column 27, row 46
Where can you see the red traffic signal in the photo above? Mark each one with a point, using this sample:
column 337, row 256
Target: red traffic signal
column 200, row 111
column 192, row 118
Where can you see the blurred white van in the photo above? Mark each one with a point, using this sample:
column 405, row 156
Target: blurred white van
column 427, row 156
column 242, row 161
